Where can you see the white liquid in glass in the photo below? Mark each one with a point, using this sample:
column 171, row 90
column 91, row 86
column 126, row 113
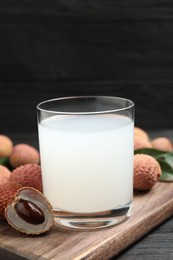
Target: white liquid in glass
column 87, row 161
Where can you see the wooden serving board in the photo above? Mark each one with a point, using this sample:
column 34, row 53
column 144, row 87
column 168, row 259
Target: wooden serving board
column 149, row 210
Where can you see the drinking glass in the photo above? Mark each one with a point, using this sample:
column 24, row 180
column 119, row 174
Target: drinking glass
column 86, row 150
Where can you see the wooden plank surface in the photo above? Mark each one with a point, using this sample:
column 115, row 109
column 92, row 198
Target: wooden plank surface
column 149, row 210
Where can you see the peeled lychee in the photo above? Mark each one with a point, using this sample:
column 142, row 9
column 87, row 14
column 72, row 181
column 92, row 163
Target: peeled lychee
column 7, row 192
column 141, row 133
column 146, row 172
column 23, row 154
column 4, row 174
column 140, row 143
column 6, row 146
column 163, row 144
column 28, row 175
column 29, row 212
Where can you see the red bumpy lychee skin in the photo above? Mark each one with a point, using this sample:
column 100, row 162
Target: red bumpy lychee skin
column 28, row 175
column 163, row 144
column 141, row 133
column 146, row 172
column 6, row 146
column 7, row 192
column 4, row 174
column 23, row 154
column 140, row 143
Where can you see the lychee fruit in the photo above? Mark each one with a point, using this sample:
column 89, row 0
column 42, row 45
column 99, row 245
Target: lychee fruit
column 23, row 154
column 146, row 172
column 6, row 146
column 28, row 175
column 7, row 192
column 163, row 144
column 141, row 133
column 4, row 174
column 29, row 212
column 140, row 143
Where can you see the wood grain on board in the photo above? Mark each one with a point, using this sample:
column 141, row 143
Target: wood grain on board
column 149, row 210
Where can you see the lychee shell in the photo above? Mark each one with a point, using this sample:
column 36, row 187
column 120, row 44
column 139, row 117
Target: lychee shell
column 31, row 195
column 141, row 133
column 23, row 154
column 7, row 192
column 146, row 172
column 140, row 143
column 4, row 174
column 28, row 175
column 6, row 146
column 162, row 143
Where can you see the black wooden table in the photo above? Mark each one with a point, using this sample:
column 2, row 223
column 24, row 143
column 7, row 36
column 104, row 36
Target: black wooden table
column 158, row 244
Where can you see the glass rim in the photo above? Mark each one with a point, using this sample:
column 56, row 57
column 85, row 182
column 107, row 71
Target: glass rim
column 131, row 105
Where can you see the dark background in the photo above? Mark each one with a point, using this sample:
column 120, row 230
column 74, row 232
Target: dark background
column 59, row 48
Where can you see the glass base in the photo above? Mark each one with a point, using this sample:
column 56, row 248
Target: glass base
column 91, row 221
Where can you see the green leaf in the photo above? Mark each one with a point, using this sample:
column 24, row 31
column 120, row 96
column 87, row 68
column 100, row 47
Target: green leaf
column 167, row 157
column 4, row 161
column 167, row 171
column 154, row 152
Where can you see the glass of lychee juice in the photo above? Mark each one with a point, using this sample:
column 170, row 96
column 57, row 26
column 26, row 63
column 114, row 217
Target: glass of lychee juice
column 86, row 151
